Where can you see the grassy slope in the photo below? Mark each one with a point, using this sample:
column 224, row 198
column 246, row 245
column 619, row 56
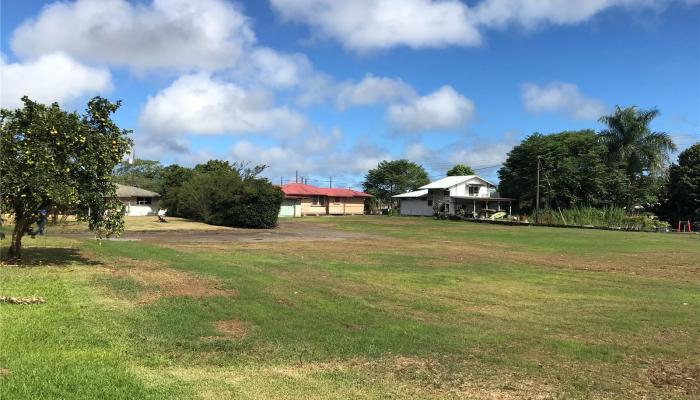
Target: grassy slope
column 422, row 308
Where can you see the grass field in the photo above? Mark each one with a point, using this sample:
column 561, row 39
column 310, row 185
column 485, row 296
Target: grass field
column 410, row 308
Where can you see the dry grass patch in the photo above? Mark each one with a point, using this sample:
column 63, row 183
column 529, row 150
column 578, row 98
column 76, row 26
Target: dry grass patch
column 233, row 328
column 675, row 376
column 389, row 377
column 151, row 223
column 159, row 281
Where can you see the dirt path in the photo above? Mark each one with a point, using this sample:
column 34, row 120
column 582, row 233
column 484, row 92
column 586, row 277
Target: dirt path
column 285, row 232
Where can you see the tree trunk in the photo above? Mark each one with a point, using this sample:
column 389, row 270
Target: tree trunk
column 16, row 243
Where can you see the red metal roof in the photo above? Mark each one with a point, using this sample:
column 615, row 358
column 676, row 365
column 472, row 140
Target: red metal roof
column 300, row 189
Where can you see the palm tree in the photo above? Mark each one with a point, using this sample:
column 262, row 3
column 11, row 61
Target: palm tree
column 632, row 145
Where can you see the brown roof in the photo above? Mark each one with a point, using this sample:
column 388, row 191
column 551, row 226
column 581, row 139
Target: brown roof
column 133, row 191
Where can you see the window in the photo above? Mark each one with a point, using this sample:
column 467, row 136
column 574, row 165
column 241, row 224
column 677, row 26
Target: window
column 473, row 191
column 318, row 200
column 336, row 200
column 143, row 201
column 430, row 202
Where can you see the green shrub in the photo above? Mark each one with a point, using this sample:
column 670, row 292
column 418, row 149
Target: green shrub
column 258, row 206
column 222, row 195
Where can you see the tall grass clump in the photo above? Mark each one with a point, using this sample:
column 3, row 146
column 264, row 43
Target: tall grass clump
column 610, row 217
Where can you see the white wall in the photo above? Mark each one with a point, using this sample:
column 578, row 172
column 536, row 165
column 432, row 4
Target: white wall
column 141, row 210
column 463, row 188
column 416, row 207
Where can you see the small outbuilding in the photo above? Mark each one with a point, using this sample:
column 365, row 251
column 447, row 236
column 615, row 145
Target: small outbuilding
column 138, row 202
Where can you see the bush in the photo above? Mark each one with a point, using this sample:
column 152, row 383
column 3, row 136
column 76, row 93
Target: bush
column 258, row 205
column 221, row 196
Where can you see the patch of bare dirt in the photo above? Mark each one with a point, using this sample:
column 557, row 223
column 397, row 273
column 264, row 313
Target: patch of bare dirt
column 233, row 328
column 675, row 376
column 158, row 281
column 5, row 371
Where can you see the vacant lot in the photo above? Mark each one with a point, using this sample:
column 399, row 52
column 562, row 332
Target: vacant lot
column 371, row 308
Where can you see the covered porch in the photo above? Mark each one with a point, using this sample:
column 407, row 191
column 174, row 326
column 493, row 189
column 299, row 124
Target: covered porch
column 481, row 207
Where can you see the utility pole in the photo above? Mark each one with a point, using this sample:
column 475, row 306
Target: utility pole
column 537, row 199
column 330, row 181
column 281, row 183
column 296, row 176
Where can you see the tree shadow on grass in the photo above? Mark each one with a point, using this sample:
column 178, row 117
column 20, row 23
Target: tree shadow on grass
column 47, row 256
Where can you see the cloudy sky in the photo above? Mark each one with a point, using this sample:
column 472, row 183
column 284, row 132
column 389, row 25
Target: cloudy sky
column 330, row 88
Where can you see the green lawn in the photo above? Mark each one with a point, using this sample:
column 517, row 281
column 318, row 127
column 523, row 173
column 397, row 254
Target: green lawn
column 412, row 308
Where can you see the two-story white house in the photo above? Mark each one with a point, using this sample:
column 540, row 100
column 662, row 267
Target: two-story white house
column 469, row 195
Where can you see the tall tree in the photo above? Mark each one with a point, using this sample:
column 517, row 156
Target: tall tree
column 460, row 170
column 52, row 158
column 394, row 177
column 682, row 195
column 572, row 171
column 145, row 174
column 631, row 145
column 172, row 179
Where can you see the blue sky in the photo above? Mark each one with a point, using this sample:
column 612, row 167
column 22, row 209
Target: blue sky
column 331, row 88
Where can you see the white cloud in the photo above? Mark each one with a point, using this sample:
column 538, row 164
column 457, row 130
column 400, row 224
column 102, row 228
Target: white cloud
column 318, row 141
column 560, row 97
column 373, row 90
column 282, row 159
column 487, row 153
column 440, row 110
column 178, row 34
column 480, row 156
column 269, row 68
column 333, row 158
column 52, row 77
column 319, row 88
column 531, row 14
column 200, row 104
column 380, row 24
column 358, row 159
column 365, row 25
column 418, row 152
